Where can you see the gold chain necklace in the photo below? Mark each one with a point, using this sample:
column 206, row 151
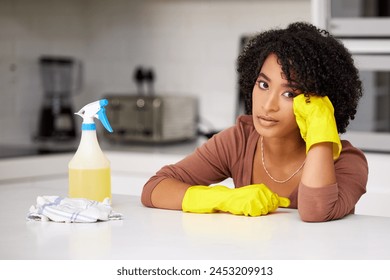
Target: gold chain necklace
column 269, row 175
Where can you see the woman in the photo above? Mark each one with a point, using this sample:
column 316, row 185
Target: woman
column 301, row 89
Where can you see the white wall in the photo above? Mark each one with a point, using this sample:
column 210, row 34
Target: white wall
column 191, row 44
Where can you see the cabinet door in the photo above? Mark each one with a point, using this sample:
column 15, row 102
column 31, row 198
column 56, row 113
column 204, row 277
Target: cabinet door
column 127, row 184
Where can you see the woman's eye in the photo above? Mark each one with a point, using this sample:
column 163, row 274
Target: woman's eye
column 263, row 85
column 289, row 94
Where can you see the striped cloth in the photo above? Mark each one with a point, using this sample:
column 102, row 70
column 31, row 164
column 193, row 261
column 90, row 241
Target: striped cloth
column 71, row 210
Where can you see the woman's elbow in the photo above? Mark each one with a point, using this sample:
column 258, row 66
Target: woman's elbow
column 312, row 217
column 322, row 215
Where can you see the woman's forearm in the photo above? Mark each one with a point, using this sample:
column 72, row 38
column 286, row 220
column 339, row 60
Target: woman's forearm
column 168, row 194
column 319, row 168
column 318, row 173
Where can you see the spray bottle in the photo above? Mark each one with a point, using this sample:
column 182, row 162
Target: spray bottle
column 89, row 169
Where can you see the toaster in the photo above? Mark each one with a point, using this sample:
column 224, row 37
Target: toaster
column 152, row 119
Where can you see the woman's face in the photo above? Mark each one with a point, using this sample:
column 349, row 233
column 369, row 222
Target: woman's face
column 272, row 102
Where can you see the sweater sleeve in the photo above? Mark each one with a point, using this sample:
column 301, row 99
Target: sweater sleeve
column 208, row 164
column 338, row 200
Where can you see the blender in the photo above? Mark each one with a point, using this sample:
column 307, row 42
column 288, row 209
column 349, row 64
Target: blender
column 61, row 79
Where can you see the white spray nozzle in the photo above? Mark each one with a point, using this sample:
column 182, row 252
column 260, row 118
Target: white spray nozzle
column 94, row 110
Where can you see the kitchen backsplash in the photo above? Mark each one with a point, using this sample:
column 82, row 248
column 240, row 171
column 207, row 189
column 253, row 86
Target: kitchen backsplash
column 191, row 45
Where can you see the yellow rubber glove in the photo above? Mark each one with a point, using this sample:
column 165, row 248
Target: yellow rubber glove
column 252, row 200
column 316, row 121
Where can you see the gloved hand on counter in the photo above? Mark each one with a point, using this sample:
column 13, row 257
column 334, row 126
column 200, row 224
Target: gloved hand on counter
column 252, row 200
column 316, row 121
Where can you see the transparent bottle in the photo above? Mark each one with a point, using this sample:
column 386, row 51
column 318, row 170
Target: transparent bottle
column 89, row 169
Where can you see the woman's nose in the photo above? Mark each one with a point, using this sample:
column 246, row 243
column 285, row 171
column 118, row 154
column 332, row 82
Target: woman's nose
column 271, row 102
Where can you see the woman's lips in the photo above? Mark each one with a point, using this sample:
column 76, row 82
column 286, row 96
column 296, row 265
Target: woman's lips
column 267, row 121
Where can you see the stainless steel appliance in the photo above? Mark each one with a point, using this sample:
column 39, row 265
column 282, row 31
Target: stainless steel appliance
column 353, row 18
column 371, row 128
column 364, row 28
column 61, row 79
column 152, row 119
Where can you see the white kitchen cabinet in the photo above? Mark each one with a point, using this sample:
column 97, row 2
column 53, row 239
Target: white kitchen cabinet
column 127, row 184
column 376, row 200
column 129, row 170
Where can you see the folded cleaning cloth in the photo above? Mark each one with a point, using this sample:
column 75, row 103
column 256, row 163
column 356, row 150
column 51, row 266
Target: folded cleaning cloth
column 71, row 210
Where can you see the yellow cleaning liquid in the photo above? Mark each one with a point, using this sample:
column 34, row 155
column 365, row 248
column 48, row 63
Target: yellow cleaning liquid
column 94, row 184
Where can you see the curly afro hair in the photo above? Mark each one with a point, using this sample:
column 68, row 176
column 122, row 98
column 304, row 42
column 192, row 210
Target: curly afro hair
column 311, row 59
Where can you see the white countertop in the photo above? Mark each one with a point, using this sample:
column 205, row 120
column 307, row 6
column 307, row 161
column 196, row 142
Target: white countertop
column 163, row 234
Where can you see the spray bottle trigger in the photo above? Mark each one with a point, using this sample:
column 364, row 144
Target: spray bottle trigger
column 103, row 118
